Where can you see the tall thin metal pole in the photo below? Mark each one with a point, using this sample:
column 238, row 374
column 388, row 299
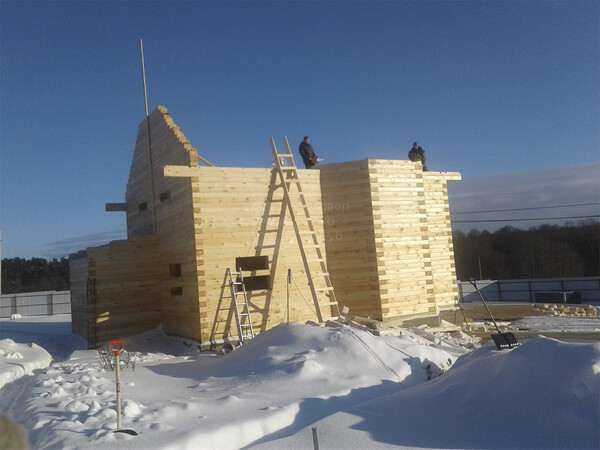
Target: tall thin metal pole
column 149, row 142
column 144, row 77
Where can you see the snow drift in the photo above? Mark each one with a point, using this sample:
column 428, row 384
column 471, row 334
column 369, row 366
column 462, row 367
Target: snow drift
column 358, row 390
column 17, row 360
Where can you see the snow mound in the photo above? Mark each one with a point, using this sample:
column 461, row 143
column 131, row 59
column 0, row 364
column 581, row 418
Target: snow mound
column 285, row 378
column 544, row 394
column 319, row 354
column 358, row 390
column 17, row 360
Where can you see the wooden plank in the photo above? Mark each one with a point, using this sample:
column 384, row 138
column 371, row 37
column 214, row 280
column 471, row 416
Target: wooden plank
column 109, row 207
column 250, row 263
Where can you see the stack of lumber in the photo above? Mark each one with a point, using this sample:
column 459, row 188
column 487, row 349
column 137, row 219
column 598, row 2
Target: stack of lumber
column 516, row 311
column 527, row 320
column 558, row 327
column 566, row 310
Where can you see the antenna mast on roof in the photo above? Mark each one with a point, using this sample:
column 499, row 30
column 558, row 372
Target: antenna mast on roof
column 144, row 77
column 149, row 141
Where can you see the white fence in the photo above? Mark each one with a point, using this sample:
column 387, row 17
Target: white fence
column 35, row 303
column 541, row 290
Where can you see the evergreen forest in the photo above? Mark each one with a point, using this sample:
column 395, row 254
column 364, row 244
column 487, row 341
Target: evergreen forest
column 547, row 251
column 35, row 274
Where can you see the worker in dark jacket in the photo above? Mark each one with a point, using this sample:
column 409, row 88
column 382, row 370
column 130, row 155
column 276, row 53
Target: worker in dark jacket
column 417, row 153
column 308, row 154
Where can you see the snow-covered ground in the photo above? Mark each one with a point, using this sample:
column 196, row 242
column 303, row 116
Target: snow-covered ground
column 17, row 360
column 358, row 390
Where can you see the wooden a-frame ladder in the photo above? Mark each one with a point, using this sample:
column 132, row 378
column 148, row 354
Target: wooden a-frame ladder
column 288, row 173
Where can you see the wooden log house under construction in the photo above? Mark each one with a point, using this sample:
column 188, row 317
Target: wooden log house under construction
column 373, row 235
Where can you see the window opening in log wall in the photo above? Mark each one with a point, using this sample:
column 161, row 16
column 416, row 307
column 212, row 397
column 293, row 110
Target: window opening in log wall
column 176, row 291
column 175, row 270
column 164, row 196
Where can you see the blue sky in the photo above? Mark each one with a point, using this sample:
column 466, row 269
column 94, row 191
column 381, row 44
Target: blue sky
column 489, row 89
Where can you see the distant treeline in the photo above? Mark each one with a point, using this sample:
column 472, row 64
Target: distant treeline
column 35, row 274
column 547, row 251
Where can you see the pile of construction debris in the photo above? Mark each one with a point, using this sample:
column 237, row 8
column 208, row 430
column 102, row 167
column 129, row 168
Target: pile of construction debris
column 515, row 311
column 528, row 320
column 447, row 336
column 524, row 320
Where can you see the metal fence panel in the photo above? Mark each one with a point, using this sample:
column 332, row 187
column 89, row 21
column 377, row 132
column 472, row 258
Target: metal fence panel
column 35, row 303
column 576, row 290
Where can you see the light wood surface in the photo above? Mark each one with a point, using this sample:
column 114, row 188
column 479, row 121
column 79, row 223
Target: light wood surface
column 380, row 227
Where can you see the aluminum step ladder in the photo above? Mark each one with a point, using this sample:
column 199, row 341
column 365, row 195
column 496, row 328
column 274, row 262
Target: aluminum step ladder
column 288, row 173
column 241, row 309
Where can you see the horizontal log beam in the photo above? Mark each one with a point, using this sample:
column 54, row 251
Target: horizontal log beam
column 110, row 207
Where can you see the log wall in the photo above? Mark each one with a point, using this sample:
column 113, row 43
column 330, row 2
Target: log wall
column 115, row 290
column 389, row 242
column 122, row 288
column 350, row 236
column 439, row 230
column 401, row 238
column 201, row 222
column 240, row 212
column 78, row 273
column 169, row 216
column 169, row 146
column 384, row 226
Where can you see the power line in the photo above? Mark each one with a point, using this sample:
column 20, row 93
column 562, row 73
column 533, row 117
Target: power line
column 525, row 220
column 526, row 209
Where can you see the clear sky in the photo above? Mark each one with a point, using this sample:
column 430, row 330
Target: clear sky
column 489, row 89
